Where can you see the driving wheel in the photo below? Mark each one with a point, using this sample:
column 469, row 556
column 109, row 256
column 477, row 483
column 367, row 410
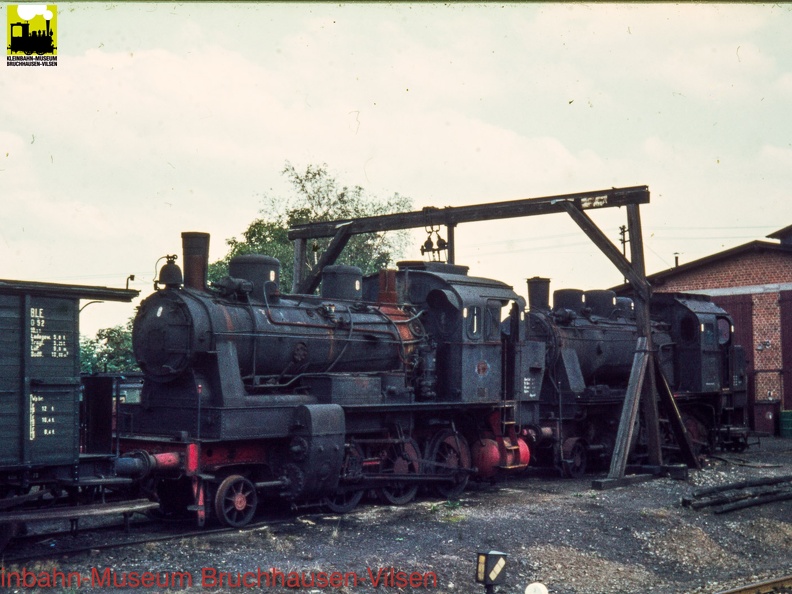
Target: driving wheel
column 235, row 501
column 400, row 459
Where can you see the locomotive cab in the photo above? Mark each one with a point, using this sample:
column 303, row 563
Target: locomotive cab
column 701, row 333
column 463, row 314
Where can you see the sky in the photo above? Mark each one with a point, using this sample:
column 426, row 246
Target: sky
column 163, row 118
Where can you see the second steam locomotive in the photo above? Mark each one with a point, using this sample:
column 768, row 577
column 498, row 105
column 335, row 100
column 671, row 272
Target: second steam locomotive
column 423, row 376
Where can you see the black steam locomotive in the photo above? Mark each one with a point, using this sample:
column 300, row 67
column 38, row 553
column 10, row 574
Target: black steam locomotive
column 421, row 376
column 583, row 348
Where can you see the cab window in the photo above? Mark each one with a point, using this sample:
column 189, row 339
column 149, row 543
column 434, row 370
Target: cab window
column 492, row 321
column 473, row 320
column 724, row 331
column 708, row 333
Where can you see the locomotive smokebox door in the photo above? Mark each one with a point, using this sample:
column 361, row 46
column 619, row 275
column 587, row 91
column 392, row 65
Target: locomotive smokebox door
column 317, row 449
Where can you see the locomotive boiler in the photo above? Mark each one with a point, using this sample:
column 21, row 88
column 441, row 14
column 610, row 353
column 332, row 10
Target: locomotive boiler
column 268, row 337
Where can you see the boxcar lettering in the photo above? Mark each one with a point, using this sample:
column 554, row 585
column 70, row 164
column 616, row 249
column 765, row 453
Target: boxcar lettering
column 37, row 341
column 32, row 418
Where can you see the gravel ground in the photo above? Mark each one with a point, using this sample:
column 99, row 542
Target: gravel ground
column 561, row 533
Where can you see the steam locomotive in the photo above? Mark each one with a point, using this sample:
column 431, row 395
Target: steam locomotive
column 587, row 340
column 423, row 376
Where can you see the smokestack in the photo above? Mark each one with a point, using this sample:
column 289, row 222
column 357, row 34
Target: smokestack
column 196, row 259
column 538, row 294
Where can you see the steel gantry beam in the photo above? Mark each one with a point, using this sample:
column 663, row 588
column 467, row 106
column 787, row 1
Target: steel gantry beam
column 453, row 215
column 450, row 217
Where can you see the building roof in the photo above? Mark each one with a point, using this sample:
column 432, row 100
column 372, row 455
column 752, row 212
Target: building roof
column 785, row 235
column 758, row 246
column 17, row 287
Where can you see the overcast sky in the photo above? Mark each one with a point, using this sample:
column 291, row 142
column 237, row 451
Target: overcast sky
column 161, row 118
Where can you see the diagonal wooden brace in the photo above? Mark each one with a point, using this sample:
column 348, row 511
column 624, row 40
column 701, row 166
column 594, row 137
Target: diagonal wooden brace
column 338, row 243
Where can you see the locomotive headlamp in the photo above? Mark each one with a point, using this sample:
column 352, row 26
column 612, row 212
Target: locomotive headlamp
column 489, row 569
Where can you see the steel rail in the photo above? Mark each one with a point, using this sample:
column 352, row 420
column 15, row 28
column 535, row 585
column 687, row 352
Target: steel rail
column 92, row 548
column 783, row 584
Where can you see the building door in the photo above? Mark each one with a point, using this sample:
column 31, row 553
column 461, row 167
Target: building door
column 785, row 303
column 740, row 308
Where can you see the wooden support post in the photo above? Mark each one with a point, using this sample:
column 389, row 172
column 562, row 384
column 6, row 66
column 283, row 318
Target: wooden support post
column 651, row 416
column 451, row 244
column 629, row 414
column 643, row 320
column 299, row 263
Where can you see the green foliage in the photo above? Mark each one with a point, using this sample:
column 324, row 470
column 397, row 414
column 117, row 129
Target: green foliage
column 448, row 511
column 318, row 196
column 110, row 351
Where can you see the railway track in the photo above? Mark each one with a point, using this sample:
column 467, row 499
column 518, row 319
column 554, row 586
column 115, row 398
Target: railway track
column 776, row 586
column 41, row 546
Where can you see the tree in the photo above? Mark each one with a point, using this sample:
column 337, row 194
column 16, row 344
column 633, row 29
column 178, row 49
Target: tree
column 318, row 196
column 110, row 351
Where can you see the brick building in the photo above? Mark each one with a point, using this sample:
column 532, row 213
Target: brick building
column 753, row 282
